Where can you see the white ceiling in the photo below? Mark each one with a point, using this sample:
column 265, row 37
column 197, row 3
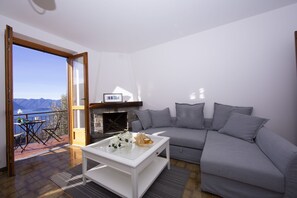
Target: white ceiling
column 131, row 25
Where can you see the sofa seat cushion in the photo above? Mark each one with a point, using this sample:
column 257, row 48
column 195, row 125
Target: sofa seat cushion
column 239, row 160
column 191, row 138
column 185, row 154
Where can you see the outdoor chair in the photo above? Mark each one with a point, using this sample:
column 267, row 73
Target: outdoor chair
column 18, row 138
column 51, row 131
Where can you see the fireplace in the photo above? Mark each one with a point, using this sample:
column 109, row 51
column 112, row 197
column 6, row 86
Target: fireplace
column 113, row 122
column 109, row 118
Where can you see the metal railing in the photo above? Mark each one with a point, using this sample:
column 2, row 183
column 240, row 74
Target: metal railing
column 50, row 118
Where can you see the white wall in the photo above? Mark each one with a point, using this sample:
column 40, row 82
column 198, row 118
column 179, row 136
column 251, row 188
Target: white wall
column 114, row 74
column 250, row 62
column 100, row 79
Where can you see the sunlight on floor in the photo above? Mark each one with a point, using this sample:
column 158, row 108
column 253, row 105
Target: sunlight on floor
column 34, row 149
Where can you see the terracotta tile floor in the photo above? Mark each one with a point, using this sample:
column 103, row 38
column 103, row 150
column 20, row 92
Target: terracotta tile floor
column 34, row 149
column 32, row 175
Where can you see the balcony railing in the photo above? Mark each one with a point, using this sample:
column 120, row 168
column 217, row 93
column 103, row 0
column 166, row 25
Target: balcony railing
column 50, row 118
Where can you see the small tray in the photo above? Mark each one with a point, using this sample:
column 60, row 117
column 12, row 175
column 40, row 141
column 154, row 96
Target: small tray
column 144, row 145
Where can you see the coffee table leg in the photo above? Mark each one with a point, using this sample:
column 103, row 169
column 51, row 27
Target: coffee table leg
column 134, row 178
column 168, row 155
column 84, row 168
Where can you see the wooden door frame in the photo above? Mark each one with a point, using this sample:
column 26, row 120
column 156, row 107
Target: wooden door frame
column 39, row 47
column 70, row 114
column 8, row 101
column 9, row 89
column 86, row 95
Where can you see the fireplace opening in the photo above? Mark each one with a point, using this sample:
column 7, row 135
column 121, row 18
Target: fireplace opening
column 113, row 122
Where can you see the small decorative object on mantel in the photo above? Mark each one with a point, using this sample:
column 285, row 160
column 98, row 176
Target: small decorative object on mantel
column 112, row 97
column 121, row 140
column 143, row 140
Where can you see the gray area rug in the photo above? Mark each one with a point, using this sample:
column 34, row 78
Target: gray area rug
column 169, row 184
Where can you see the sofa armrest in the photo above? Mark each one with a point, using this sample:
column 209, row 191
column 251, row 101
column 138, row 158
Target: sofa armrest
column 136, row 126
column 283, row 155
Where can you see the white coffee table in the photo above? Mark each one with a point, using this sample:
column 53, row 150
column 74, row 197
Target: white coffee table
column 127, row 172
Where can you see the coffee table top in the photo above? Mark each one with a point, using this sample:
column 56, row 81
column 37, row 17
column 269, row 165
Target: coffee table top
column 130, row 155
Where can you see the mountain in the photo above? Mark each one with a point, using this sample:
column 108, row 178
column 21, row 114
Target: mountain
column 35, row 104
column 16, row 106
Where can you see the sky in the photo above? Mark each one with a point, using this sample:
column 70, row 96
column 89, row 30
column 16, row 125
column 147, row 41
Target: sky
column 38, row 74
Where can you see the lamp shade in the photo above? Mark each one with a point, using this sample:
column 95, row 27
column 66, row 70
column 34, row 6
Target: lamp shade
column 46, row 4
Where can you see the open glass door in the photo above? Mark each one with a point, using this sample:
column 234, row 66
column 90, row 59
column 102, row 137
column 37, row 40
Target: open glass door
column 78, row 100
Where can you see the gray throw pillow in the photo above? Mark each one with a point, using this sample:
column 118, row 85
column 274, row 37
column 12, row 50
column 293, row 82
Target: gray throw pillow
column 190, row 115
column 161, row 118
column 222, row 113
column 243, row 126
column 145, row 118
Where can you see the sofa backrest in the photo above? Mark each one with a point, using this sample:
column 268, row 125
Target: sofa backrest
column 208, row 123
column 283, row 155
column 136, row 124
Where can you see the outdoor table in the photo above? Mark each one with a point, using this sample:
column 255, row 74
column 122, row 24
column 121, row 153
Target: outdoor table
column 31, row 127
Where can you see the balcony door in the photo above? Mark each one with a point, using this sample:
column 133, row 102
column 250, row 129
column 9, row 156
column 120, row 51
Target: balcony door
column 78, row 96
column 78, row 102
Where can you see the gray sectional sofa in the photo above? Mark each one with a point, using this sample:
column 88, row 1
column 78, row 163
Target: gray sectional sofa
column 185, row 144
column 238, row 156
column 187, row 136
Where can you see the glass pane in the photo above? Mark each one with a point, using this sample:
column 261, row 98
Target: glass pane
column 78, row 82
column 130, row 153
column 79, row 118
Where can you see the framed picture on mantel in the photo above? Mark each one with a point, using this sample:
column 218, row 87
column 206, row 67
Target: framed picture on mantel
column 112, row 97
